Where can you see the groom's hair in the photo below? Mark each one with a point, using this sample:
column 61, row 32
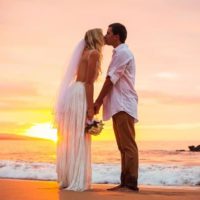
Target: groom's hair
column 119, row 29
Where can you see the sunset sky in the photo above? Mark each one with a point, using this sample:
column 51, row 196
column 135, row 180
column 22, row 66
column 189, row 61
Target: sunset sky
column 38, row 36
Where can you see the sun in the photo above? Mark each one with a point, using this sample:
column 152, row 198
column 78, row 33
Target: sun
column 44, row 130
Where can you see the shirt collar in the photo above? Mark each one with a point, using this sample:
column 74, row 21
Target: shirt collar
column 122, row 45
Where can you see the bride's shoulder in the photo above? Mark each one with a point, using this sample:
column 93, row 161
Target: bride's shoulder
column 93, row 53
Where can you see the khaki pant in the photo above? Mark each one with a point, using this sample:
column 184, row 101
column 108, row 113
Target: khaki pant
column 123, row 125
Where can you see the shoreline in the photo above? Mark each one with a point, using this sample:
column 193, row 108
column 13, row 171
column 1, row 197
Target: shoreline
column 20, row 189
column 111, row 184
column 192, row 187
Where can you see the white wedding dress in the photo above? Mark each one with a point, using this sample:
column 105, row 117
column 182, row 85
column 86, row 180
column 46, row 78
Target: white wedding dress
column 74, row 146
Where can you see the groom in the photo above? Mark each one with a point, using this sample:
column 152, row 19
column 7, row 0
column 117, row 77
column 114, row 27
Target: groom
column 119, row 100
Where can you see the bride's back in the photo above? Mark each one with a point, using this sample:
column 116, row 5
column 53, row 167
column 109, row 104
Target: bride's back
column 82, row 73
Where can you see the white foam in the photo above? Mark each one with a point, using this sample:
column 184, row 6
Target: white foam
column 27, row 170
column 160, row 175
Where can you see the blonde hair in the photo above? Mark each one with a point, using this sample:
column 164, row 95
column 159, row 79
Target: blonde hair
column 94, row 39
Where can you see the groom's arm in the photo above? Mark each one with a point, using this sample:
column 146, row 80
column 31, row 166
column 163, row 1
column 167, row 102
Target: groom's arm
column 107, row 86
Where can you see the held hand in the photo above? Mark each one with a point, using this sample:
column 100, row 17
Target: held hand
column 96, row 108
column 90, row 113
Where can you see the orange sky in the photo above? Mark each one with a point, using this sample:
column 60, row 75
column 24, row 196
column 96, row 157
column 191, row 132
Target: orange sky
column 37, row 37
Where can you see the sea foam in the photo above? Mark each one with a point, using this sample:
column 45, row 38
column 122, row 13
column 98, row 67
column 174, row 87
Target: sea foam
column 149, row 174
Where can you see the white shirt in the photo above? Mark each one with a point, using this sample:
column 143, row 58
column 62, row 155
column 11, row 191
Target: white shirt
column 123, row 96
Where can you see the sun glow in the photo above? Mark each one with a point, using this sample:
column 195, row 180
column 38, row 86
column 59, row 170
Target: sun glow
column 45, row 131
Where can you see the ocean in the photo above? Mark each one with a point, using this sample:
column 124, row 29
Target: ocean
column 162, row 163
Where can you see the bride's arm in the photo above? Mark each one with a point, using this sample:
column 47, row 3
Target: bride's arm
column 91, row 74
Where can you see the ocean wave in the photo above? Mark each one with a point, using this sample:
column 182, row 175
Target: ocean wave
column 149, row 174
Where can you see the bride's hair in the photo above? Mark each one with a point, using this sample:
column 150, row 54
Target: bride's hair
column 94, row 39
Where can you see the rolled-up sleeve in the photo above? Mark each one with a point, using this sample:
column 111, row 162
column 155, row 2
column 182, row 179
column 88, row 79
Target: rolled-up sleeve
column 118, row 66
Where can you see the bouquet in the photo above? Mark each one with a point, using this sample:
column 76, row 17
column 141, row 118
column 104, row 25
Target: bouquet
column 94, row 127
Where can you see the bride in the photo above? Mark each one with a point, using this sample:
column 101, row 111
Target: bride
column 74, row 107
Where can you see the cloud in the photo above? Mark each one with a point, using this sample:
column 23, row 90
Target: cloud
column 179, row 126
column 167, row 98
column 21, row 105
column 21, row 96
column 13, row 127
column 18, row 89
column 167, row 75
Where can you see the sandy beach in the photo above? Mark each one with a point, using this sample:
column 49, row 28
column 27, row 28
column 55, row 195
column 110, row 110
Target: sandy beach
column 12, row 189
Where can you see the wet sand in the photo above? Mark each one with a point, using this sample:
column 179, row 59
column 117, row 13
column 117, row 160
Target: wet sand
column 15, row 189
